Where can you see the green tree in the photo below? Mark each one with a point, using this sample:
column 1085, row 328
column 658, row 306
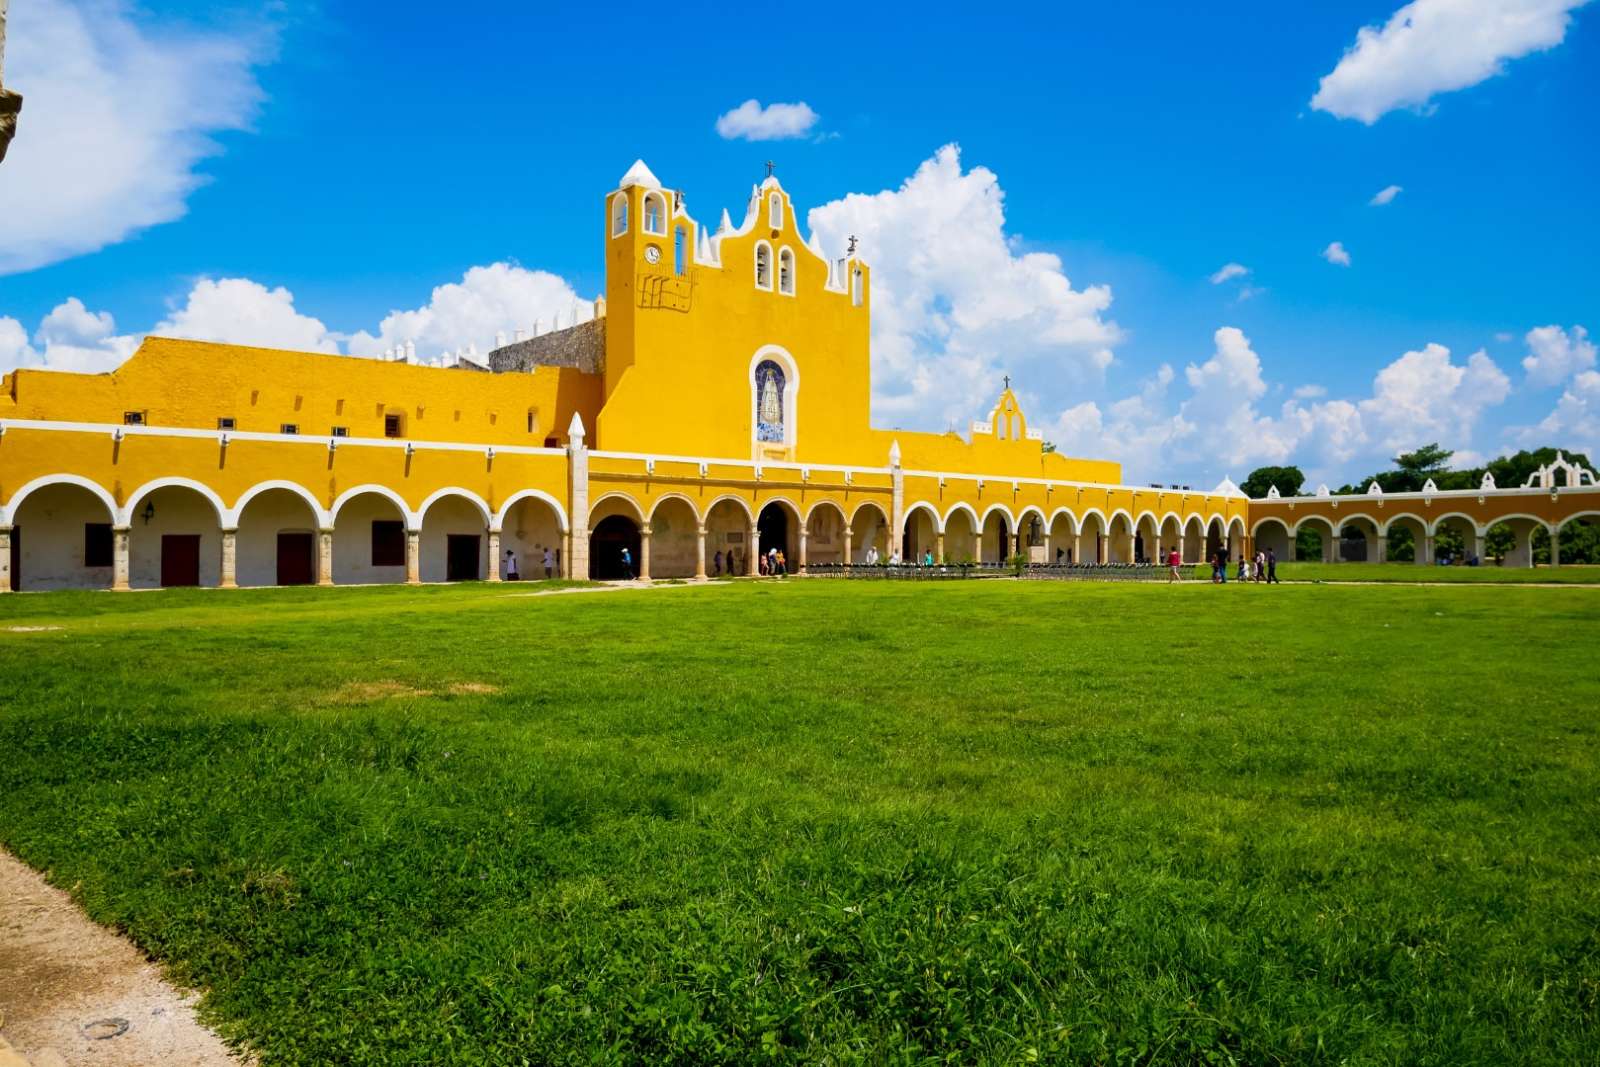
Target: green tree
column 1288, row 481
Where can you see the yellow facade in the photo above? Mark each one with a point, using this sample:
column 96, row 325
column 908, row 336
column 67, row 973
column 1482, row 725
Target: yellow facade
column 728, row 409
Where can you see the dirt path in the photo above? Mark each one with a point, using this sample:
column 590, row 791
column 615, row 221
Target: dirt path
column 62, row 974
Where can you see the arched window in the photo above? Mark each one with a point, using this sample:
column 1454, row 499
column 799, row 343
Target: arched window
column 1000, row 428
column 770, row 384
column 619, row 214
column 855, row 287
column 786, row 272
column 1016, row 427
column 763, row 265
column 775, row 211
column 655, row 214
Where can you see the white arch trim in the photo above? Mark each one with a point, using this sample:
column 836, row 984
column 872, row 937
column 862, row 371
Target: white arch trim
column 1071, row 519
column 8, row 513
column 794, row 509
column 835, row 505
column 1011, row 520
column 1171, row 516
column 884, row 515
column 972, row 516
column 1509, row 518
column 1023, row 515
column 1259, row 523
column 633, row 508
column 225, row 517
column 1376, row 524
column 1236, row 521
column 1100, row 517
column 412, row 520
column 744, row 506
column 561, row 513
column 317, row 510
column 1477, row 531
column 1574, row 517
column 454, row 490
column 1124, row 514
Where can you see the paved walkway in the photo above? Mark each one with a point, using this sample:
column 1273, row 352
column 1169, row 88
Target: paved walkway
column 65, row 981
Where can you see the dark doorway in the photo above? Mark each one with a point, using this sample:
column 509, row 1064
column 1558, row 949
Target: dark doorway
column 773, row 522
column 180, row 560
column 461, row 557
column 1002, row 546
column 1138, row 548
column 16, row 559
column 295, row 559
column 610, row 537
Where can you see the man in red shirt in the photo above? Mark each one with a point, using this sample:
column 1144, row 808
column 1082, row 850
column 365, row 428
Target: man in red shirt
column 1174, row 561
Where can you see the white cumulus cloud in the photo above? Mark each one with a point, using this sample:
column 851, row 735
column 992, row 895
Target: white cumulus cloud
column 1385, row 195
column 956, row 302
column 500, row 297
column 1574, row 423
column 1229, row 270
column 775, row 122
column 118, row 114
column 1554, row 354
column 1336, row 254
column 1430, row 47
column 242, row 312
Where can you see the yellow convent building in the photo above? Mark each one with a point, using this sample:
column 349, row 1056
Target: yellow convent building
column 718, row 404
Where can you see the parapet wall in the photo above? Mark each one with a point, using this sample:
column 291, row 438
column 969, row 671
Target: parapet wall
column 582, row 347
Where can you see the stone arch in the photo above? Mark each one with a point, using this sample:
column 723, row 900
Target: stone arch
column 1035, row 531
column 9, row 511
column 1436, row 524
column 1119, row 537
column 1272, row 534
column 62, row 536
column 369, row 541
column 1094, row 536
column 1194, row 539
column 674, row 544
column 995, row 535
column 1327, row 531
column 533, row 526
column 175, row 538
column 452, row 536
column 728, row 521
column 963, row 507
column 277, row 542
column 778, row 526
column 825, row 532
column 960, row 528
column 1063, row 537
column 869, row 528
column 1412, row 544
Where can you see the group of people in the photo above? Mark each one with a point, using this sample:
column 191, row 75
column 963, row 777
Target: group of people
column 771, row 563
column 1263, row 568
column 514, row 575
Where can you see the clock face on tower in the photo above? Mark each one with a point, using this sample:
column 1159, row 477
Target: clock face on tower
column 652, row 254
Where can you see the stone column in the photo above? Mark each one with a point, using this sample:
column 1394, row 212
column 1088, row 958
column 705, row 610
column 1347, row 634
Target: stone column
column 1330, row 547
column 644, row 552
column 230, row 559
column 700, row 552
column 119, row 559
column 578, row 491
column 413, row 557
column 494, row 555
column 1382, row 551
column 5, row 559
column 1477, row 547
column 1016, row 542
column 325, row 556
column 1555, row 546
column 753, row 553
column 566, row 570
column 1424, row 550
column 1077, row 548
column 849, row 544
column 938, row 546
column 803, row 540
column 897, row 504
column 1183, row 549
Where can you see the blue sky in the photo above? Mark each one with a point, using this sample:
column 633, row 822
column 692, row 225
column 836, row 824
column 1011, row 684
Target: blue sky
column 359, row 157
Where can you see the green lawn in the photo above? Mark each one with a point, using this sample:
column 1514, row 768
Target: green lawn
column 1410, row 572
column 832, row 822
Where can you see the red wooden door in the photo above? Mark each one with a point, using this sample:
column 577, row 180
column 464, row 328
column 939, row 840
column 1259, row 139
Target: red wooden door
column 295, row 560
column 180, row 560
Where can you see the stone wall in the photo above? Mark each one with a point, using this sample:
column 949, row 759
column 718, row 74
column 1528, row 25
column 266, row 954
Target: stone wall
column 582, row 346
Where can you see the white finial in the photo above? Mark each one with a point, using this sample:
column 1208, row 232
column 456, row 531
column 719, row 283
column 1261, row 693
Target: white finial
column 1272, row 493
column 1488, row 481
column 411, row 351
column 727, row 224
column 575, row 428
column 1374, row 489
column 499, row 338
column 815, row 244
column 894, row 453
column 1429, row 487
column 519, row 334
column 1322, row 490
column 639, row 174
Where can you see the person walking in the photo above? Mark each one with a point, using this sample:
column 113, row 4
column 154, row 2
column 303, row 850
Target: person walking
column 1173, row 565
column 1244, row 567
column 927, row 558
column 781, row 567
column 511, row 567
column 627, row 563
column 717, row 564
column 1261, row 566
column 1272, row 568
column 549, row 563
